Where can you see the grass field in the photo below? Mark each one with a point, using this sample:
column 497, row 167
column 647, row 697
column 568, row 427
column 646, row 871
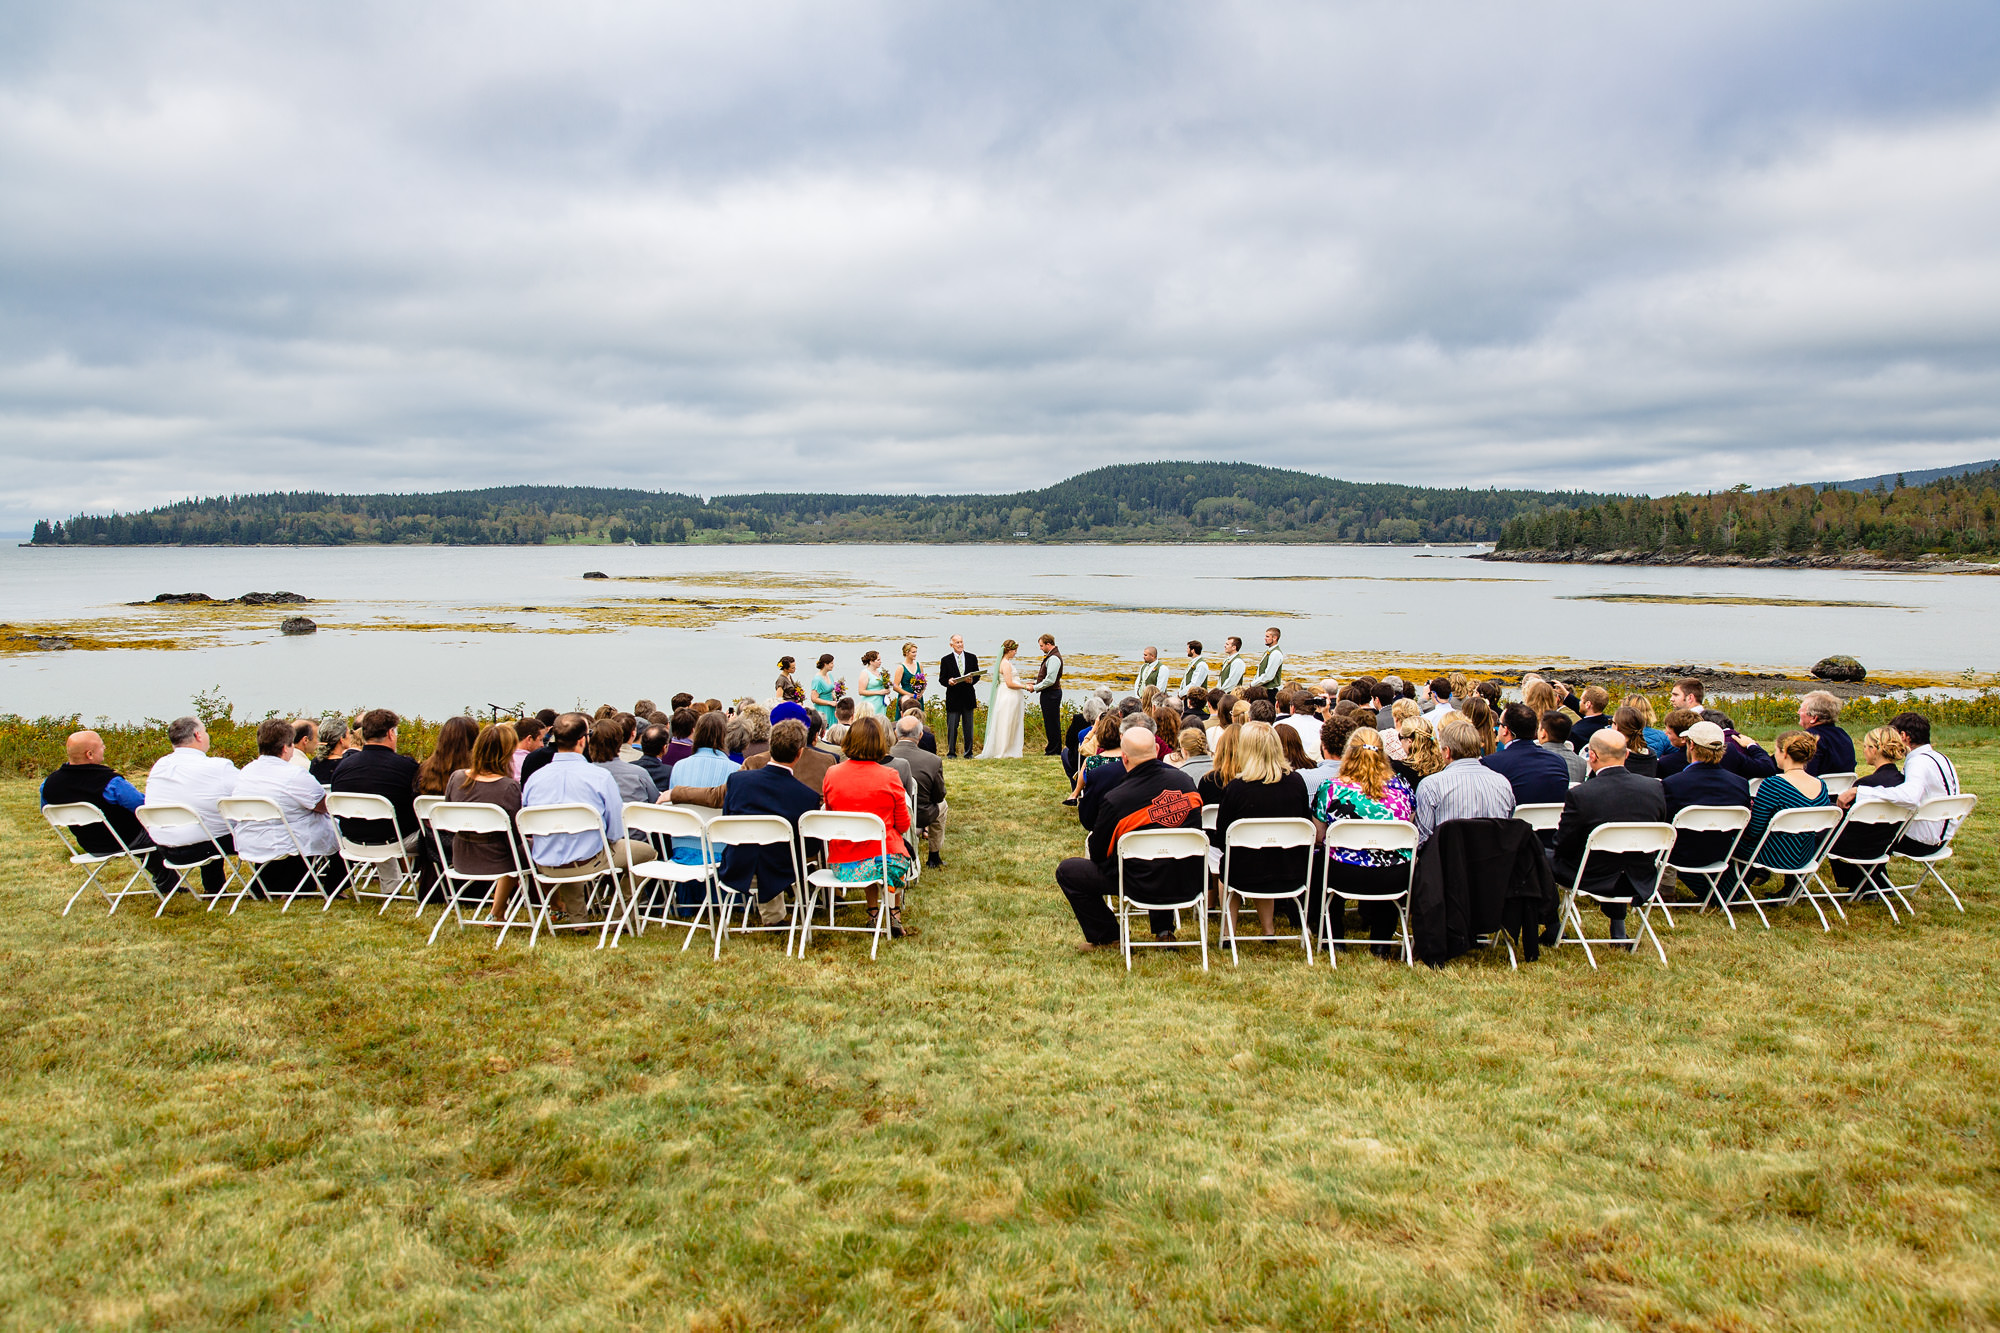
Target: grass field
column 314, row 1121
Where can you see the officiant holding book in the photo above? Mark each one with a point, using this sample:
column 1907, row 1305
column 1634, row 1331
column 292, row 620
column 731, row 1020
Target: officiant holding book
column 959, row 674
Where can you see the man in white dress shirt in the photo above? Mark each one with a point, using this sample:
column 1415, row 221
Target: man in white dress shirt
column 1197, row 675
column 187, row 775
column 302, row 801
column 1927, row 775
column 1233, row 665
column 1152, row 672
column 1270, row 667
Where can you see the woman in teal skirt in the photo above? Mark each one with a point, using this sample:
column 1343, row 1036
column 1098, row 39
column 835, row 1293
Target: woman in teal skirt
column 824, row 695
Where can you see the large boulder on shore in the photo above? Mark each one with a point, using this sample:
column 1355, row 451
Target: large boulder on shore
column 595, row 574
column 297, row 625
column 1839, row 667
column 270, row 598
column 182, row 598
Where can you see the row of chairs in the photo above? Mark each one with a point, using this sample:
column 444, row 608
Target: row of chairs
column 1727, row 878
column 625, row 899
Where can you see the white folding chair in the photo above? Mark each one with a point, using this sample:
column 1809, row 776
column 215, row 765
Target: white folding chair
column 606, row 886
column 461, row 889
column 1647, row 839
column 66, row 818
column 1820, row 823
column 168, row 817
column 1163, row 844
column 1266, row 835
column 1541, row 816
column 1754, row 784
column 241, row 810
column 656, row 884
column 844, row 826
column 1720, row 820
column 426, row 804
column 727, row 831
column 1952, row 810
column 910, row 841
column 1836, row 783
column 364, row 861
column 1373, row 835
column 1890, row 820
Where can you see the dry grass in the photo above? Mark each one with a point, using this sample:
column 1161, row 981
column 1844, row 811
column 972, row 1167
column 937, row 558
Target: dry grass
column 315, row 1121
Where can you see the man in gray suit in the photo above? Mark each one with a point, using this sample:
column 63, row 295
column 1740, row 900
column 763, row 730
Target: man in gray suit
column 928, row 770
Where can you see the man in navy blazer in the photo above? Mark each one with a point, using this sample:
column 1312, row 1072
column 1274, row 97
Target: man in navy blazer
column 1538, row 776
column 1705, row 781
column 770, row 790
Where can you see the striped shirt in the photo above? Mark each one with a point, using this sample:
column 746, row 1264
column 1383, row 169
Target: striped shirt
column 1784, row 851
column 1463, row 789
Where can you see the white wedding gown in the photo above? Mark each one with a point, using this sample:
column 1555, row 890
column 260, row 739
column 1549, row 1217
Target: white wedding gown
column 1003, row 718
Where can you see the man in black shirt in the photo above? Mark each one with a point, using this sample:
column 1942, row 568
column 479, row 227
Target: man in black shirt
column 377, row 770
column 1152, row 795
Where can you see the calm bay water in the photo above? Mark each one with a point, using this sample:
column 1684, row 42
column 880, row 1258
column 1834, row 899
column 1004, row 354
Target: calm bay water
column 592, row 641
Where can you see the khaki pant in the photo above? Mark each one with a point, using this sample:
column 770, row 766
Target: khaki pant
column 934, row 831
column 572, row 900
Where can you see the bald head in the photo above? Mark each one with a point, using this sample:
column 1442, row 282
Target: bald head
column 84, row 747
column 1607, row 748
column 1138, row 746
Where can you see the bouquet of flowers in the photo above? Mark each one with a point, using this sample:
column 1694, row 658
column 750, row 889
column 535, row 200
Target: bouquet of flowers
column 840, row 689
column 919, row 683
column 795, row 693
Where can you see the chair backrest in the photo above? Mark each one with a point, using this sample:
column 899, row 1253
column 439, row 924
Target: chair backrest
column 1836, row 783
column 168, row 815
column 426, row 804
column 702, row 812
column 537, row 821
column 1541, row 816
column 469, row 817
column 1380, row 835
column 75, row 814
column 668, row 821
column 1713, row 818
column 1877, row 812
column 1270, row 833
column 749, row 830
column 1809, row 819
column 843, row 826
column 359, row 805
column 1211, row 815
column 1755, row 783
column 1947, row 808
column 1647, row 839
column 250, row 810
column 1162, row 844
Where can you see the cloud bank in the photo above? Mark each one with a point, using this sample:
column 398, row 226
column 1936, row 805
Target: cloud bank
column 873, row 246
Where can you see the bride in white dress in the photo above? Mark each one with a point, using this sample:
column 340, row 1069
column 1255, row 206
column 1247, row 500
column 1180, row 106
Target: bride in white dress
column 1005, row 706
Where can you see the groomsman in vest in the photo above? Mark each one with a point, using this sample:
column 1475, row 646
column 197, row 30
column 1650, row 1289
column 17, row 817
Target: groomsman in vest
column 1271, row 667
column 961, row 698
column 1233, row 665
column 1152, row 671
column 1048, row 685
column 1198, row 674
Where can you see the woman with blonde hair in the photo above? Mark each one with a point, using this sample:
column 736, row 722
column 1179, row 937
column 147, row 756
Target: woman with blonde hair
column 1392, row 736
column 1368, row 788
column 1538, row 694
column 1640, row 756
column 1425, row 757
column 1881, row 750
column 909, row 683
column 1265, row 787
column 1649, row 726
column 488, row 779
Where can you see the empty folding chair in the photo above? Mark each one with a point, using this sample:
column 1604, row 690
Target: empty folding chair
column 747, row 831
column 606, row 900
column 241, row 810
column 1267, row 835
column 656, row 884
column 1866, row 841
column 462, row 890
column 1623, row 839
column 1952, row 810
column 364, row 862
column 187, row 858
column 844, row 826
column 1706, row 834
column 1816, row 823
column 67, row 819
column 1166, row 844
column 1370, row 835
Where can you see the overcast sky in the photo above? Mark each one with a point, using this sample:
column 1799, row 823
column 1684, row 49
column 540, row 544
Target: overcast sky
column 872, row 246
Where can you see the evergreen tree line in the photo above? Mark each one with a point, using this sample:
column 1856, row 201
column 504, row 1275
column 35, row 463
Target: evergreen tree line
column 1953, row 516
column 1141, row 501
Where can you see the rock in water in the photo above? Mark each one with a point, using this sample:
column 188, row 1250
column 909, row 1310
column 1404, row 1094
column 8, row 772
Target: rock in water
column 269, row 598
column 1838, row 667
column 182, row 598
column 298, row 625
column 596, row 574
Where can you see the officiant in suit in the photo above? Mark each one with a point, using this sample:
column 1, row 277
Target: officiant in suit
column 960, row 700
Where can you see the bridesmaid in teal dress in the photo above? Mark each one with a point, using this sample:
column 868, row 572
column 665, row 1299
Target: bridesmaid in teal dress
column 910, row 681
column 822, row 689
column 874, row 684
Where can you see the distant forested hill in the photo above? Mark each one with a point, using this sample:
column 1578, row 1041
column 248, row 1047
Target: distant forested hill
column 1953, row 516
column 1131, row 502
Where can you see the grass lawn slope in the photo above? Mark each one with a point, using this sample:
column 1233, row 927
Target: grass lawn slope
column 315, row 1121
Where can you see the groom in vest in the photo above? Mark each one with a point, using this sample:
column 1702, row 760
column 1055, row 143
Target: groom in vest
column 960, row 699
column 1048, row 684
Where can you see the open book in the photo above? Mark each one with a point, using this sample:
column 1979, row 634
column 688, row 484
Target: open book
column 970, row 677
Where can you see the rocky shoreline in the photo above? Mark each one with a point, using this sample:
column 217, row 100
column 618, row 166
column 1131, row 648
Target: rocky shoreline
column 1624, row 678
column 1863, row 561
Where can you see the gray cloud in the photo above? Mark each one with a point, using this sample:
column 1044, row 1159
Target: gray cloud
column 876, row 246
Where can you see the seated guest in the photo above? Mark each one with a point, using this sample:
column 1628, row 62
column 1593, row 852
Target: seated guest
column 336, row 742
column 1702, row 781
column 1927, row 775
column 1480, row 714
column 305, row 742
column 1425, row 758
column 527, row 739
column 85, row 779
column 680, row 740
column 864, row 782
column 814, row 761
column 1106, row 768
column 1367, row 788
column 1554, row 737
column 1153, row 795
column 928, row 770
column 453, row 752
column 1819, row 714
column 1639, row 756
column 698, row 779
column 652, row 756
column 1387, row 691
column 1266, row 786
column 1096, row 749
column 1793, row 788
column 1440, row 703
column 1880, row 750
column 1464, row 789
column 1591, row 704
column 1400, row 712
column 769, row 788
column 1192, row 756
column 926, row 738
column 546, row 751
column 1166, row 725
column 377, row 770
column 843, row 718
column 1688, row 692
column 1303, row 724
column 1656, row 739
column 570, row 779
column 1614, row 795
column 1537, row 776
column 272, row 776
column 674, row 705
column 1334, row 734
column 488, row 779
column 1296, row 758
column 187, row 775
column 1674, row 758
column 607, row 738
